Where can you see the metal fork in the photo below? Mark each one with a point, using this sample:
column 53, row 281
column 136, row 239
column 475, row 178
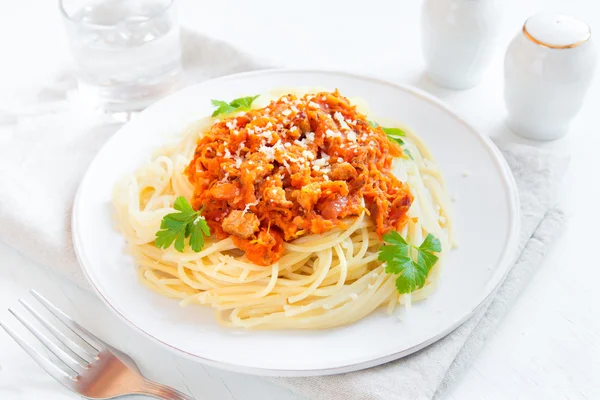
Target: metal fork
column 91, row 367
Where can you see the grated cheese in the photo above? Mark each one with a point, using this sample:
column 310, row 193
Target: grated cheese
column 267, row 151
column 323, row 161
column 308, row 154
column 267, row 135
column 340, row 118
column 332, row 134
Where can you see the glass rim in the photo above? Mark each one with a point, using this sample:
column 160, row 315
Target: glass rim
column 67, row 17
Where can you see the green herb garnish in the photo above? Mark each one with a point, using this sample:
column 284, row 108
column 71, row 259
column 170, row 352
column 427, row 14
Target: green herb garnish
column 394, row 134
column 399, row 257
column 408, row 154
column 176, row 227
column 241, row 104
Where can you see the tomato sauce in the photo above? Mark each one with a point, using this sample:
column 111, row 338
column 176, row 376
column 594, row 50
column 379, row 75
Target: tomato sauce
column 296, row 167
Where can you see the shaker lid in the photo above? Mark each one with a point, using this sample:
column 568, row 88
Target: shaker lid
column 556, row 31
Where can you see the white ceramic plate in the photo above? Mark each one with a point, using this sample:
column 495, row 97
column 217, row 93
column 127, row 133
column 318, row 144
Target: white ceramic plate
column 487, row 219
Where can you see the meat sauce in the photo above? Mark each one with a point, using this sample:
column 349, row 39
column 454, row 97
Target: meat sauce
column 296, row 167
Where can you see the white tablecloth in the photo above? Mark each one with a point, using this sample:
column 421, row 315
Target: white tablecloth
column 547, row 347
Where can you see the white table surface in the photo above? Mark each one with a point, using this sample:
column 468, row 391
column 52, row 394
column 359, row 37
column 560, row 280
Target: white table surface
column 548, row 346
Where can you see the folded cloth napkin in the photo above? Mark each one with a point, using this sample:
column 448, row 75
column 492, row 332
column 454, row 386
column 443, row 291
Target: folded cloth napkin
column 427, row 373
column 45, row 147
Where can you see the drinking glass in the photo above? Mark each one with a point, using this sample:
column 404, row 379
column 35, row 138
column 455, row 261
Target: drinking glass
column 127, row 52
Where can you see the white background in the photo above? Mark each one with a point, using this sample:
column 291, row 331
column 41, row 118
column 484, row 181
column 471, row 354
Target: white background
column 548, row 346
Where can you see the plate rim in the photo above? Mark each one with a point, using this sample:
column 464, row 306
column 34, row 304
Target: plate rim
column 503, row 265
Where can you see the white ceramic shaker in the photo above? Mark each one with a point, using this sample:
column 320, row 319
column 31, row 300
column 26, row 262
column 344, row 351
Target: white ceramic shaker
column 458, row 40
column 548, row 69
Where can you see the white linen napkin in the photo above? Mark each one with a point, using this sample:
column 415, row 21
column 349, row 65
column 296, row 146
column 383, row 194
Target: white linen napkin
column 46, row 143
column 427, row 373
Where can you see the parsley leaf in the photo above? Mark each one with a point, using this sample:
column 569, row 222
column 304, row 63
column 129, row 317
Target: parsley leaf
column 243, row 102
column 240, row 104
column 182, row 205
column 176, row 227
column 394, row 134
column 399, row 257
column 222, row 108
column 394, row 131
column 431, row 243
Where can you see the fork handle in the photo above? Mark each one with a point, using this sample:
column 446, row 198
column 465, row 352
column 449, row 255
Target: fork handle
column 162, row 392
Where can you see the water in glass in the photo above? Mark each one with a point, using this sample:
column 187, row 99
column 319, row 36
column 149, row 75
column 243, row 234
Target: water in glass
column 127, row 51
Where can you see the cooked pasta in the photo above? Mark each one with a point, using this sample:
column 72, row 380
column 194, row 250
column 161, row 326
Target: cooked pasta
column 298, row 195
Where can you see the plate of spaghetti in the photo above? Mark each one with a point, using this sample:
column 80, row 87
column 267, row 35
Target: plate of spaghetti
column 296, row 222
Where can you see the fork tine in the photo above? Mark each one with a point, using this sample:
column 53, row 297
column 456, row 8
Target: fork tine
column 76, row 348
column 77, row 329
column 60, row 353
column 56, row 372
